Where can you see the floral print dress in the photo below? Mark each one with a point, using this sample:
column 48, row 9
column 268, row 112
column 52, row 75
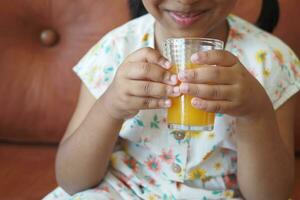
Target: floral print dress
column 153, row 162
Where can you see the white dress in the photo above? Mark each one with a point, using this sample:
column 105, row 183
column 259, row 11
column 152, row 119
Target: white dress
column 154, row 162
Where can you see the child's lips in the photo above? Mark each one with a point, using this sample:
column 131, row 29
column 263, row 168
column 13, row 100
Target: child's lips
column 186, row 18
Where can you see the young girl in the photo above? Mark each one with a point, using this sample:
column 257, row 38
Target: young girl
column 118, row 146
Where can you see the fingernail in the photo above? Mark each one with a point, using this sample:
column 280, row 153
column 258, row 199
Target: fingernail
column 182, row 75
column 195, row 57
column 184, row 88
column 167, row 65
column 167, row 103
column 173, row 79
column 176, row 91
column 198, row 57
column 197, row 103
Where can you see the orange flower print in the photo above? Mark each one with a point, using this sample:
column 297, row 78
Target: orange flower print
column 266, row 72
column 261, row 56
column 225, row 151
column 113, row 160
column 233, row 159
column 151, row 181
column 228, row 194
column 197, row 173
column 295, row 68
column 278, row 56
column 235, row 34
column 77, row 198
column 230, row 181
column 152, row 197
column 125, row 146
column 103, row 188
column 131, row 163
column 143, row 141
column 153, row 164
column 167, row 156
column 145, row 37
column 208, row 155
column 279, row 89
column 278, row 94
column 194, row 134
column 178, row 185
column 217, row 166
column 211, row 135
column 125, row 180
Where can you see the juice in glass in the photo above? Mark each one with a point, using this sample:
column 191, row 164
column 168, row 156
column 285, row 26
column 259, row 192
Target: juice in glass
column 182, row 115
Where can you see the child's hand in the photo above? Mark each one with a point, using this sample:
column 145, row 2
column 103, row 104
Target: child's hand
column 141, row 82
column 223, row 85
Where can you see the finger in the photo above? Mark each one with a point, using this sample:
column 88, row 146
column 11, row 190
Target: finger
column 152, row 89
column 214, row 57
column 149, row 55
column 149, row 103
column 212, row 106
column 149, row 71
column 205, row 91
column 207, row 74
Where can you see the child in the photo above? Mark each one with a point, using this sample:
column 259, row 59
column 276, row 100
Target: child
column 118, row 144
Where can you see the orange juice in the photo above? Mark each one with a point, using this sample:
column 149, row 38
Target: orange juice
column 183, row 115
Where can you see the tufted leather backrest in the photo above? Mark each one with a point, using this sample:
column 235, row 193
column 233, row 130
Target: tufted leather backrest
column 40, row 41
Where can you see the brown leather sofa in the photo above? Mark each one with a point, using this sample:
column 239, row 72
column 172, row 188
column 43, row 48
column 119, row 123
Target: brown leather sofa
column 40, row 41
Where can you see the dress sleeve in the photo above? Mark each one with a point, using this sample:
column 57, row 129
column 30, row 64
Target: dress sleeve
column 279, row 72
column 98, row 67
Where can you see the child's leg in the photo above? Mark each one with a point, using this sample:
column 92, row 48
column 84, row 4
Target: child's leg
column 105, row 191
column 57, row 194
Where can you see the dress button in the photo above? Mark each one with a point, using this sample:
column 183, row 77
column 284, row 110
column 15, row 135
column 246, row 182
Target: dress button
column 176, row 168
column 179, row 135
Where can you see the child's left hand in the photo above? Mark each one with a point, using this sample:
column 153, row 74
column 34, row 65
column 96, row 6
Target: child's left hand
column 223, row 85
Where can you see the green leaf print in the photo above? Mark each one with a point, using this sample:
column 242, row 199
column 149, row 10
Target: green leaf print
column 154, row 125
column 216, row 192
column 155, row 122
column 96, row 49
column 219, row 114
column 108, row 69
column 107, row 49
column 139, row 122
column 231, row 18
column 177, row 158
column 165, row 197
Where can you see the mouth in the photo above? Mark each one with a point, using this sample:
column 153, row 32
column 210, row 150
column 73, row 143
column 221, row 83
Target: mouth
column 186, row 18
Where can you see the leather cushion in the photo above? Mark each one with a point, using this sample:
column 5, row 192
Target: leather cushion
column 38, row 89
column 27, row 172
column 297, row 183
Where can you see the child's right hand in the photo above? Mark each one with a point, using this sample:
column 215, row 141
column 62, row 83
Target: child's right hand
column 141, row 82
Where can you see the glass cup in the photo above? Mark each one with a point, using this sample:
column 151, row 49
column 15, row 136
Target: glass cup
column 182, row 115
